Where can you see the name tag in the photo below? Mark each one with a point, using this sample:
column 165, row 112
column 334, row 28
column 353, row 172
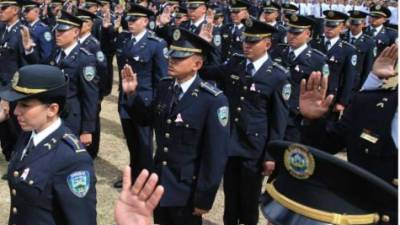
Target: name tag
column 368, row 137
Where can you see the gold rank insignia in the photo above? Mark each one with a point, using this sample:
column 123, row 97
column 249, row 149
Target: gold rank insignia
column 294, row 18
column 299, row 162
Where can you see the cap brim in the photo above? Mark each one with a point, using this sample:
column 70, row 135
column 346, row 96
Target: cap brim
column 331, row 23
column 250, row 39
column 180, row 54
column 10, row 95
column 355, row 22
column 63, row 27
column 276, row 214
column 295, row 30
column 131, row 18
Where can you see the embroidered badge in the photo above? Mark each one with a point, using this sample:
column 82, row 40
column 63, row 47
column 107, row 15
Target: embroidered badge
column 325, row 70
column 217, row 40
column 89, row 72
column 100, row 56
column 47, row 36
column 299, row 161
column 354, row 60
column 79, row 183
column 223, row 115
column 286, row 91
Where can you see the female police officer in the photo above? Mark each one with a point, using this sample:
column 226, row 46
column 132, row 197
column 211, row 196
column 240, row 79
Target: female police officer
column 50, row 175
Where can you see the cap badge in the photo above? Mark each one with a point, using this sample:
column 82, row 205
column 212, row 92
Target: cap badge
column 248, row 22
column 356, row 13
column 378, row 7
column 299, row 161
column 176, row 35
column 331, row 14
column 294, row 18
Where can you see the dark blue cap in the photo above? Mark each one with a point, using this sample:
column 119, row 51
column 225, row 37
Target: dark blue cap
column 68, row 21
column 186, row 43
column 36, row 81
column 357, row 17
column 85, row 15
column 299, row 23
column 256, row 30
column 312, row 187
column 334, row 18
column 379, row 11
column 136, row 11
column 237, row 5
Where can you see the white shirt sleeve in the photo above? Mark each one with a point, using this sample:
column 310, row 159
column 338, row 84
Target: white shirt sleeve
column 372, row 82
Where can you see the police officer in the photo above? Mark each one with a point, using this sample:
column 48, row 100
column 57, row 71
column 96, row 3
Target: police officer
column 51, row 176
column 93, row 7
column 368, row 129
column 80, row 66
column 16, row 50
column 147, row 55
column 232, row 33
column 53, row 13
column 180, row 15
column 365, row 45
column 39, row 31
column 270, row 14
column 258, row 91
column 342, row 60
column 90, row 43
column 191, row 121
column 383, row 36
column 288, row 9
column 301, row 60
column 310, row 186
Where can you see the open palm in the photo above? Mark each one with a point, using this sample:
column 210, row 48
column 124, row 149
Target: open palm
column 384, row 65
column 313, row 101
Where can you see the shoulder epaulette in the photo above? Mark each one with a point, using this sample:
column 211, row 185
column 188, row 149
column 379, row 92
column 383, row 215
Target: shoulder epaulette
column 93, row 39
column 391, row 29
column 153, row 37
column 348, row 44
column 73, row 141
column 84, row 50
column 43, row 24
column 238, row 55
column 318, row 52
column 366, row 36
column 277, row 65
column 210, row 88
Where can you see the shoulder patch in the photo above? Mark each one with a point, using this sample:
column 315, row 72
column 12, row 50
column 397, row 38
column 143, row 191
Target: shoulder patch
column 210, row 88
column 319, row 52
column 79, row 183
column 85, row 51
column 73, row 141
column 281, row 68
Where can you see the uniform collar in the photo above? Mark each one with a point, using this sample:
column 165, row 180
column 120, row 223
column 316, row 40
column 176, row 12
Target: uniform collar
column 299, row 50
column 34, row 22
column 69, row 49
column 333, row 40
column 38, row 137
column 378, row 29
column 259, row 62
column 83, row 39
column 139, row 36
column 272, row 23
column 186, row 85
column 357, row 36
column 10, row 27
column 198, row 22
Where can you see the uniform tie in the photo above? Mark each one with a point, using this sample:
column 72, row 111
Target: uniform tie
column 61, row 56
column 193, row 28
column 249, row 69
column 373, row 32
column 28, row 148
column 353, row 40
column 176, row 97
column 292, row 57
column 327, row 45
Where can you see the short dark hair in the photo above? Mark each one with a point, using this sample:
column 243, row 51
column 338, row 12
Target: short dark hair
column 59, row 100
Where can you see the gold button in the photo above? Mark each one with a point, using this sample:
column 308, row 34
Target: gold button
column 395, row 182
column 14, row 210
column 239, row 109
column 169, row 121
column 164, row 163
column 366, row 151
column 16, row 174
column 236, row 120
column 30, row 182
column 167, row 135
column 241, row 98
column 386, row 218
column 165, row 149
column 14, row 192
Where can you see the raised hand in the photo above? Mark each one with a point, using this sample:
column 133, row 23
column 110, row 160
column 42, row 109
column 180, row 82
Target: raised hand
column 26, row 38
column 136, row 203
column 129, row 80
column 206, row 32
column 107, row 19
column 4, row 110
column 165, row 16
column 384, row 65
column 210, row 16
column 313, row 101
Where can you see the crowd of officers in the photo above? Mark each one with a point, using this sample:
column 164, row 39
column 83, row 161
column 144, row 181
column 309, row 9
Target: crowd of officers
column 212, row 116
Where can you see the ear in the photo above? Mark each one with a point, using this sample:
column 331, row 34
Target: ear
column 53, row 110
column 198, row 63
